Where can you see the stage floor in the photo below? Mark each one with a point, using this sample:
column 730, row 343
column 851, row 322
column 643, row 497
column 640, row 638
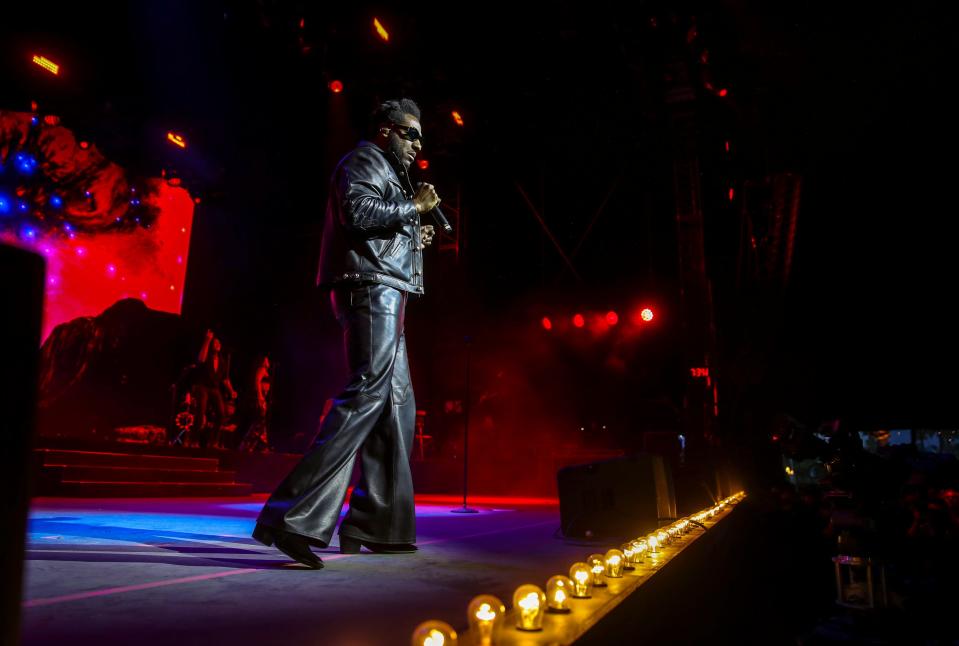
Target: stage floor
column 185, row 571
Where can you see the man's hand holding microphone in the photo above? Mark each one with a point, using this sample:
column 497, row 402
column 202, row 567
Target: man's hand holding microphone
column 425, row 201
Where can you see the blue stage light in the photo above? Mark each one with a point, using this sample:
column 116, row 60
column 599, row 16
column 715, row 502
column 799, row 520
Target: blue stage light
column 25, row 163
column 35, row 120
column 23, row 206
column 56, row 201
column 4, row 204
column 29, row 233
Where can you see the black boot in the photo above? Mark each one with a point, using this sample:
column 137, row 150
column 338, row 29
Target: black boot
column 293, row 545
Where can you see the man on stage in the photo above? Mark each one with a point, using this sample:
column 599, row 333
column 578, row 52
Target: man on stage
column 371, row 260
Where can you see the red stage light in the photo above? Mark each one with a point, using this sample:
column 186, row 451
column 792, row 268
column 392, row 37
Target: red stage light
column 176, row 140
column 381, row 30
column 46, row 64
column 723, row 92
column 578, row 320
column 457, row 118
column 727, row 146
column 51, row 120
column 423, row 164
column 732, row 194
column 84, row 145
column 336, row 86
column 612, row 317
column 646, row 315
column 546, row 323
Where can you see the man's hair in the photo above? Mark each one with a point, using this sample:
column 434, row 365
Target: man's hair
column 392, row 111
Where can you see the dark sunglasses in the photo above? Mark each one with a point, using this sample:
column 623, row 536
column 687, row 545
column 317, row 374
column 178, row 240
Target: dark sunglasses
column 410, row 134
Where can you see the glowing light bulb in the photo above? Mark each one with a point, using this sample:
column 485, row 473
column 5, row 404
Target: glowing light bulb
column 653, row 541
column 529, row 605
column 559, row 590
column 582, row 577
column 597, row 564
column 640, row 548
column 613, row 562
column 433, row 633
column 485, row 616
column 629, row 553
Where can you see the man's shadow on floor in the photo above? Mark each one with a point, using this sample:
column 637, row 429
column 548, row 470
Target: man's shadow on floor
column 190, row 546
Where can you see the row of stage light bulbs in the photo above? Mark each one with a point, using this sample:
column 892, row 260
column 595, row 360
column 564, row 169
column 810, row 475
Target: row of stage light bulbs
column 486, row 612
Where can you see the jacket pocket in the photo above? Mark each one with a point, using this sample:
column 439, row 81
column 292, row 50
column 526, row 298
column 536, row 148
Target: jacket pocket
column 389, row 248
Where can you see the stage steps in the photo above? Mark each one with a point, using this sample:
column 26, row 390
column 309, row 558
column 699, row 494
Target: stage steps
column 108, row 474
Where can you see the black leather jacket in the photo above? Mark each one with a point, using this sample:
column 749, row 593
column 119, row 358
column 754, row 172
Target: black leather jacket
column 372, row 229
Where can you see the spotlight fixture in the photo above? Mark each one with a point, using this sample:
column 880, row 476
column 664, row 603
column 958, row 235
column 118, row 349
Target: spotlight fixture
column 175, row 139
column 46, row 64
column 381, row 30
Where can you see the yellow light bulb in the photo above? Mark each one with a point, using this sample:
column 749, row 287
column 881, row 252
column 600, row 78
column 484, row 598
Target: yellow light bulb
column 582, row 577
column 433, row 633
column 639, row 550
column 613, row 561
column 529, row 606
column 653, row 541
column 485, row 616
column 598, row 565
column 485, row 612
column 559, row 590
column 629, row 556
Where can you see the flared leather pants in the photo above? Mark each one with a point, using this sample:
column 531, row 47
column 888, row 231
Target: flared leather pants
column 374, row 416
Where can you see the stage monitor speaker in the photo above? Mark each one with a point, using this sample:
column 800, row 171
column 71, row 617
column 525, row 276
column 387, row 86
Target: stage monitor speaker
column 621, row 498
column 21, row 296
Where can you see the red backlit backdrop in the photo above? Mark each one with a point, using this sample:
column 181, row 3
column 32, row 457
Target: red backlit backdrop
column 105, row 235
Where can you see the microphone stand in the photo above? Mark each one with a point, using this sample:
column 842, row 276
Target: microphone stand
column 466, row 437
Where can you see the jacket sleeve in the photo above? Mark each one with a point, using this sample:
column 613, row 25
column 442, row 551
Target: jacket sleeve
column 359, row 189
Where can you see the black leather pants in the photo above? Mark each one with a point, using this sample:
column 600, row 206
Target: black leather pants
column 375, row 415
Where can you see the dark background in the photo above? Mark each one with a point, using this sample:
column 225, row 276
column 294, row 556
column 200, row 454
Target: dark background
column 568, row 106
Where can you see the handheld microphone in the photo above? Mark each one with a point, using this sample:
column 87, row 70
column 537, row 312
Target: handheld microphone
column 441, row 219
column 438, row 216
